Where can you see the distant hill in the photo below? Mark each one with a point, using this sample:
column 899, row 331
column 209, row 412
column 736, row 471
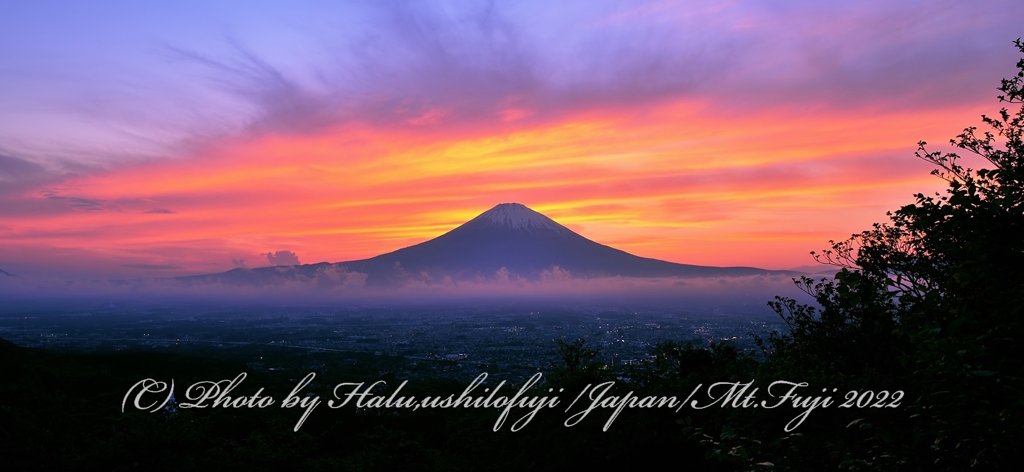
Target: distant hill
column 507, row 240
column 820, row 269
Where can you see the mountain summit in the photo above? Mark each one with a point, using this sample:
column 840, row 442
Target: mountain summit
column 517, row 217
column 509, row 240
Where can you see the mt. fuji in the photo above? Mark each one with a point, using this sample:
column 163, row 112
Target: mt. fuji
column 509, row 240
column 525, row 243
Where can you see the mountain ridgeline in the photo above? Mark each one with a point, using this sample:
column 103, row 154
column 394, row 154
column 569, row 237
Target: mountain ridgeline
column 509, row 240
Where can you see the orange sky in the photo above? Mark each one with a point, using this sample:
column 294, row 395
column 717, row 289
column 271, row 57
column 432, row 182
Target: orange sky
column 674, row 182
column 138, row 140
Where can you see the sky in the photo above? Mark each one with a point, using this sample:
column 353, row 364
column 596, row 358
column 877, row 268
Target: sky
column 152, row 139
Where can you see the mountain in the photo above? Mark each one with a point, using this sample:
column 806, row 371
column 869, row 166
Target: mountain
column 509, row 238
column 820, row 269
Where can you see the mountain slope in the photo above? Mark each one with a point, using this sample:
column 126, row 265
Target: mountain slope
column 525, row 243
column 509, row 238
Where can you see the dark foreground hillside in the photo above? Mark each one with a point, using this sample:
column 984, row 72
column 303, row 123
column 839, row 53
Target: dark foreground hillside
column 63, row 411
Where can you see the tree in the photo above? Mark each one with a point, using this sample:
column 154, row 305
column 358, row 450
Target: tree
column 578, row 366
column 933, row 299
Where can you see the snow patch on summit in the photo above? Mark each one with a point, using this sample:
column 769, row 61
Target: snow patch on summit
column 520, row 217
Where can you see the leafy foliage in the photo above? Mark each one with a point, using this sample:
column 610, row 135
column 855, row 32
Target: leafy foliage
column 578, row 366
column 933, row 299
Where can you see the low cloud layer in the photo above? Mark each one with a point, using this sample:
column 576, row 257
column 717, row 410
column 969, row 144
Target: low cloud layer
column 333, row 284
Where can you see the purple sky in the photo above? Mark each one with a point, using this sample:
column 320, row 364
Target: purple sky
column 95, row 97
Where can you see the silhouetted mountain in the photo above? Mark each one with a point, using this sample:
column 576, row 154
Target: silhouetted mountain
column 820, row 269
column 526, row 244
column 507, row 240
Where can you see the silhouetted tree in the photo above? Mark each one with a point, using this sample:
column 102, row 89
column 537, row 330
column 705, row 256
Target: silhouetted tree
column 933, row 299
column 578, row 366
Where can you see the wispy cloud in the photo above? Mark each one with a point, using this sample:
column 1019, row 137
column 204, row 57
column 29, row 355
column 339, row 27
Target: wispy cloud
column 432, row 65
column 711, row 133
column 152, row 266
column 83, row 204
